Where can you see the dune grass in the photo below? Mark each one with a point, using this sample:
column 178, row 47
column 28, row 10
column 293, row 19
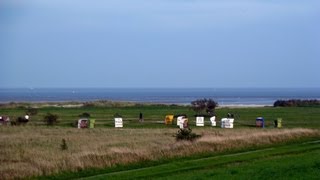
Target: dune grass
column 35, row 151
column 293, row 161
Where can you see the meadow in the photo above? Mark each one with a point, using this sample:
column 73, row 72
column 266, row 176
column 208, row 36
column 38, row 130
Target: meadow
column 37, row 150
column 289, row 161
column 154, row 114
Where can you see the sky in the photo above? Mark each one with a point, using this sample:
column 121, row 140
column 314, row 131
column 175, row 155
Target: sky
column 159, row 43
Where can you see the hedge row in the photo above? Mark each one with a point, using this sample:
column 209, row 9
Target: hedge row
column 296, row 103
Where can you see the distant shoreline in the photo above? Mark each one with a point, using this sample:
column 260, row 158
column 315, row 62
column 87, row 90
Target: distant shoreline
column 106, row 103
column 226, row 97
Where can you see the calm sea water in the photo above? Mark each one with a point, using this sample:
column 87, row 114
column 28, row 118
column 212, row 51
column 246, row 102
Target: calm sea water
column 224, row 96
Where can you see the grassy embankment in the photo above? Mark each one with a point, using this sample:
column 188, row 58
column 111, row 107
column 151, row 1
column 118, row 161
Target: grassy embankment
column 27, row 151
column 293, row 161
column 34, row 149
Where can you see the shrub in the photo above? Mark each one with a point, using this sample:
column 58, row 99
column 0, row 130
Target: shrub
column 51, row 119
column 117, row 115
column 85, row 115
column 186, row 134
column 201, row 105
column 296, row 103
column 21, row 121
column 63, row 145
column 74, row 123
column 32, row 111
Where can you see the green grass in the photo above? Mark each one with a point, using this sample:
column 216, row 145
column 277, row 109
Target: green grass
column 293, row 161
column 290, row 161
column 154, row 115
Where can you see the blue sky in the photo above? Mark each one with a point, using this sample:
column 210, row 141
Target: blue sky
column 159, row 43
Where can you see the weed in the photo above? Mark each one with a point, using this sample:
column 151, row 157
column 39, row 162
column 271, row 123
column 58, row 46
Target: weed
column 63, row 145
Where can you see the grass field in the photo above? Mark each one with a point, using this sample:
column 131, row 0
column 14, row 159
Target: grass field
column 35, row 149
column 294, row 161
column 28, row 151
column 155, row 114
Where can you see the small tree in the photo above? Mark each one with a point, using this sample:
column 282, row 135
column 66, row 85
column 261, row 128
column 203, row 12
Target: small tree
column 201, row 105
column 210, row 106
column 198, row 105
column 51, row 119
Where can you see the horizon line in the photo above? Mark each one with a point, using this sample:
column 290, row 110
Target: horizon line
column 271, row 87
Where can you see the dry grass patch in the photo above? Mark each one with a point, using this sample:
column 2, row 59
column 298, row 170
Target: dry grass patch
column 28, row 151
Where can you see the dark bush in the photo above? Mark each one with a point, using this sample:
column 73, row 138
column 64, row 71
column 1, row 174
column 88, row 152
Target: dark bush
column 74, row 123
column 32, row 111
column 186, row 134
column 21, row 121
column 210, row 106
column 63, row 145
column 117, row 115
column 51, row 119
column 201, row 105
column 84, row 115
column 296, row 103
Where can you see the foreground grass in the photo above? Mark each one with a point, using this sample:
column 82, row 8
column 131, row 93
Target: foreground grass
column 294, row 161
column 35, row 151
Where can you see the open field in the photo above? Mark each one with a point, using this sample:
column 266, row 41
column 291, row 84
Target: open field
column 28, row 151
column 294, row 161
column 307, row 117
column 35, row 149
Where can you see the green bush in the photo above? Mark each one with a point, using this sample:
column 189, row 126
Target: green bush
column 32, row 111
column 51, row 119
column 204, row 105
column 85, row 115
column 297, row 103
column 186, row 134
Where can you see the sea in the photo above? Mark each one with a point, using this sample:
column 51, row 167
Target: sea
column 180, row 96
